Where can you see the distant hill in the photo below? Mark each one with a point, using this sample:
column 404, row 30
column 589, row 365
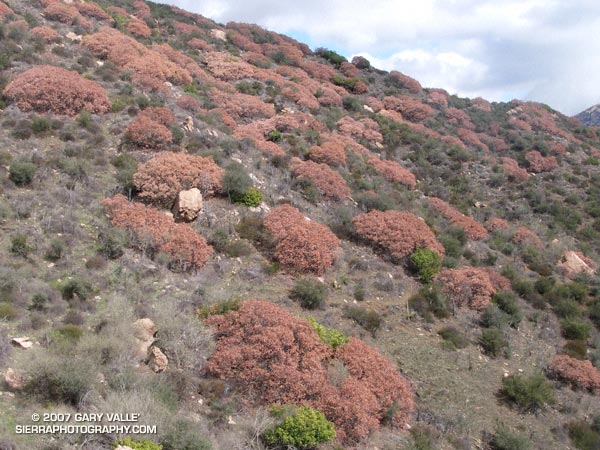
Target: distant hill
column 590, row 116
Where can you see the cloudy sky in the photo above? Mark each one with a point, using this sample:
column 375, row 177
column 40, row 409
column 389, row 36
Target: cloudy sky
column 541, row 50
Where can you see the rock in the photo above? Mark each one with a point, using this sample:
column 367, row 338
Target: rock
column 123, row 447
column 188, row 204
column 13, row 380
column 157, row 360
column 188, row 124
column 22, row 342
column 218, row 34
column 368, row 108
column 73, row 36
column 143, row 331
column 573, row 263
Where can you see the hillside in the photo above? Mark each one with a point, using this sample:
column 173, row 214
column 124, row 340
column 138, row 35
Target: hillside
column 251, row 244
column 591, row 116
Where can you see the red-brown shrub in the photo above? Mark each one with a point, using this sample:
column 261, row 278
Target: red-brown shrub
column 160, row 114
column 242, row 106
column 48, row 34
column 406, row 82
column 375, row 104
column 470, row 138
column 366, row 129
column 513, row 171
column 438, row 97
column 524, row 236
column 397, row 232
column 92, row 9
column 139, row 28
column 460, row 118
column 189, row 103
column 301, row 245
column 539, row 163
column 471, row 287
column 349, row 70
column 392, row 171
column 318, row 70
column 520, row 124
column 142, row 10
column 147, row 133
column 61, row 12
column 5, row 10
column 496, row 223
column 300, row 94
column 227, row 67
column 410, row 108
column 481, row 104
column 557, row 147
column 156, row 232
column 164, row 176
column 274, row 357
column 328, row 181
column 579, row 373
column 57, row 90
column 199, row 44
column 473, row 229
column 329, row 152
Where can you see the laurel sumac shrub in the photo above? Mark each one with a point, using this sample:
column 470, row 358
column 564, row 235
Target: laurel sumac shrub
column 473, row 229
column 513, row 171
column 410, row 108
column 155, row 232
column 471, row 287
column 61, row 12
column 273, row 357
column 496, row 223
column 147, row 133
column 301, row 245
column 164, row 176
column 539, row 163
column 406, row 82
column 242, row 106
column 366, row 129
column 580, row 374
column 5, row 10
column 57, row 90
column 392, row 171
column 329, row 152
column 92, row 9
column 328, row 181
column 139, row 28
column 469, row 137
column 399, row 233
column 524, row 236
column 47, row 34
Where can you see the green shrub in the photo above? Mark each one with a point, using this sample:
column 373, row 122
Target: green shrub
column 311, row 294
column 334, row 58
column 507, row 302
column 76, row 288
column 236, row 180
column 39, row 302
column 528, row 392
column 138, row 444
column 112, row 243
column 585, row 436
column 274, row 136
column 330, row 336
column 352, row 103
column 429, row 302
column 7, row 312
column 233, row 304
column 423, row 438
column 575, row 349
column 68, row 333
column 237, row 248
column 55, row 250
column 505, row 439
column 301, row 428
column 359, row 292
column 84, row 119
column 567, row 309
column 19, row 245
column 453, row 337
column 494, row 317
column 184, row 436
column 426, row 263
column 369, row 319
column 493, row 342
column 575, row 329
column 252, row 197
column 40, row 125
column 594, row 313
column 21, row 172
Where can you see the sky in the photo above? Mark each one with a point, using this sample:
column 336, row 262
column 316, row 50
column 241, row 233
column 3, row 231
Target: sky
column 540, row 50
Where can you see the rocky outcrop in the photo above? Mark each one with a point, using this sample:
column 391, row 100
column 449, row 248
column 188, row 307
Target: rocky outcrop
column 22, row 342
column 14, row 380
column 188, row 204
column 573, row 263
column 143, row 331
column 157, row 360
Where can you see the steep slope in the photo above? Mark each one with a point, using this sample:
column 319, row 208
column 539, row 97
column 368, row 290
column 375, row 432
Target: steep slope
column 591, row 116
column 160, row 172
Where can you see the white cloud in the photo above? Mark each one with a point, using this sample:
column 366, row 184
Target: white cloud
column 542, row 50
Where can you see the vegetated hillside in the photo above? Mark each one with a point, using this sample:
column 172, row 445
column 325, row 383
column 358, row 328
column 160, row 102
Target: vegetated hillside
column 590, row 116
column 252, row 244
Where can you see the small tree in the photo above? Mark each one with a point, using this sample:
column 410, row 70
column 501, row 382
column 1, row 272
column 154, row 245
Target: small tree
column 426, row 263
column 300, row 428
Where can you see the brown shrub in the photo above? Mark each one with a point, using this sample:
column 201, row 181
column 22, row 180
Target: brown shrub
column 139, row 28
column 242, row 106
column 301, row 245
column 61, row 13
column 160, row 114
column 5, row 10
column 366, row 129
column 473, row 229
column 513, row 171
column 397, row 232
column 274, row 357
column 329, row 152
column 539, row 163
column 438, row 97
column 496, row 223
column 580, row 374
column 469, row 137
column 328, row 181
column 47, row 34
column 199, row 44
column 92, row 9
column 142, row 10
column 481, row 104
column 406, row 82
column 226, row 67
column 189, row 103
column 460, row 118
column 156, row 232
column 524, row 236
column 392, row 171
column 57, row 90
column 147, row 133
column 471, row 287
column 410, row 108
column 164, row 176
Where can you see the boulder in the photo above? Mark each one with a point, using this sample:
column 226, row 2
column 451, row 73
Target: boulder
column 573, row 263
column 143, row 331
column 188, row 124
column 22, row 342
column 218, row 34
column 188, row 204
column 13, row 380
column 157, row 360
column 123, row 447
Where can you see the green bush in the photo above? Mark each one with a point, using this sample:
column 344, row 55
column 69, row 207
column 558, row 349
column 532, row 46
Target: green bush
column 369, row 319
column 55, row 250
column 68, row 333
column 507, row 303
column 76, row 288
column 39, row 302
column 138, row 444
column 274, row 136
column 235, row 180
column 19, row 245
column 528, row 392
column 575, row 349
column 7, row 312
column 334, row 58
column 453, row 337
column 426, row 263
column 429, row 302
column 493, row 342
column 184, row 436
column 311, row 294
column 252, row 197
column 585, row 436
column 505, row 439
column 576, row 329
column 359, row 292
column 40, row 125
column 594, row 313
column 237, row 248
column 301, row 428
column 233, row 304
column 21, row 172
column 330, row 336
